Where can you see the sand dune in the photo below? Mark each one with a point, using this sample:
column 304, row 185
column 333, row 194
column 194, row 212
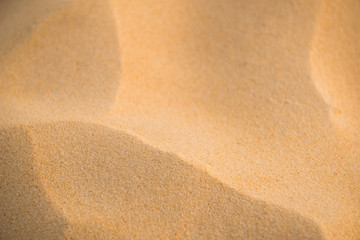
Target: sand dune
column 179, row 119
column 335, row 57
column 107, row 183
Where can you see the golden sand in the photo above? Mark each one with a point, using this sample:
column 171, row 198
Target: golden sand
column 179, row 119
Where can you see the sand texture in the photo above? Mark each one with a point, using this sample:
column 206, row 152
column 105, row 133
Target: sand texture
column 180, row 119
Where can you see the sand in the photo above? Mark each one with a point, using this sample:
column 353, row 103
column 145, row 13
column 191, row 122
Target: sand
column 179, row 119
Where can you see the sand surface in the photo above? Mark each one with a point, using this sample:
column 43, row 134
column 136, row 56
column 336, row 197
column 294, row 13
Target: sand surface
column 179, row 119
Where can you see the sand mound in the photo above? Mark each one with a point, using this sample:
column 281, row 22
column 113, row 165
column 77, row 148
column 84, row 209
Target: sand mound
column 179, row 119
column 108, row 183
column 335, row 60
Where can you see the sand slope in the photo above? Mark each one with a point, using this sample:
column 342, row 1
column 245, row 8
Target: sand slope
column 27, row 212
column 106, row 183
column 334, row 58
column 179, row 119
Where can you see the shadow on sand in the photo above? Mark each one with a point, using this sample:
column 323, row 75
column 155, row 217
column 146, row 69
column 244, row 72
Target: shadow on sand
column 26, row 212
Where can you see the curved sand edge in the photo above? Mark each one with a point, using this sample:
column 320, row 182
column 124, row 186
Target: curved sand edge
column 335, row 59
column 105, row 183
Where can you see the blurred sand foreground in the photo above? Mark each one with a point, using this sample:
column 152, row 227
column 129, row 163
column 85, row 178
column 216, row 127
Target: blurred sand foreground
column 179, row 119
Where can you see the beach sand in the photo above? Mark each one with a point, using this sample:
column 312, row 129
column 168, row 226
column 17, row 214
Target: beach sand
column 179, row 119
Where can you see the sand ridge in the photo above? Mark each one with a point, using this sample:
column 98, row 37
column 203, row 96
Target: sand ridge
column 335, row 57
